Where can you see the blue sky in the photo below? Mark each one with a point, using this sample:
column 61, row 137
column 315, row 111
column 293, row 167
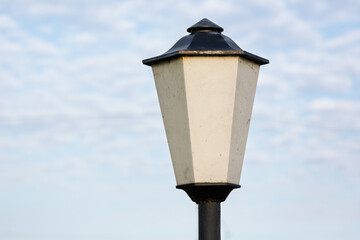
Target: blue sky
column 83, row 152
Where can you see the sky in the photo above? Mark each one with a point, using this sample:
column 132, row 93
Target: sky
column 83, row 151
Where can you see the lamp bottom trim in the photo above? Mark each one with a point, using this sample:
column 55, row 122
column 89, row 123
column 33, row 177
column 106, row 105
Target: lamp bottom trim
column 208, row 192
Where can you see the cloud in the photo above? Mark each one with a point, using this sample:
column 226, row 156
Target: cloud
column 7, row 22
column 91, row 78
column 349, row 38
column 336, row 114
column 83, row 38
column 9, row 48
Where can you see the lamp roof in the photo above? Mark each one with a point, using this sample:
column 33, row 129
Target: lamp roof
column 205, row 39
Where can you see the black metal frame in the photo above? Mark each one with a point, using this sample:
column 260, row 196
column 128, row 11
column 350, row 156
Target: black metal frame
column 208, row 196
column 209, row 221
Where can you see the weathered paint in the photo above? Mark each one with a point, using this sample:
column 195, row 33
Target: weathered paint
column 170, row 86
column 206, row 103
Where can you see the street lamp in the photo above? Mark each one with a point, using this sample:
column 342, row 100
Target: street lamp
column 206, row 86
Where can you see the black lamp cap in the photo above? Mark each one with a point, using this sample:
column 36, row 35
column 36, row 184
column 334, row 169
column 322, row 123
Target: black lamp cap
column 205, row 25
column 205, row 39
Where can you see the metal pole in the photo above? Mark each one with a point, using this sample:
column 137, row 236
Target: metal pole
column 209, row 220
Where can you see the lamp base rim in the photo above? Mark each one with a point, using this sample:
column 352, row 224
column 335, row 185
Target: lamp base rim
column 208, row 192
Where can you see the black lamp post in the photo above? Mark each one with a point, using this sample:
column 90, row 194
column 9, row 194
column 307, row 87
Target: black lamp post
column 206, row 86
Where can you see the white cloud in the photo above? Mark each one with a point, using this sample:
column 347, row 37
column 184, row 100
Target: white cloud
column 46, row 29
column 349, row 38
column 8, row 47
column 40, row 46
column 83, row 38
column 7, row 22
column 336, row 114
column 83, row 87
column 47, row 9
